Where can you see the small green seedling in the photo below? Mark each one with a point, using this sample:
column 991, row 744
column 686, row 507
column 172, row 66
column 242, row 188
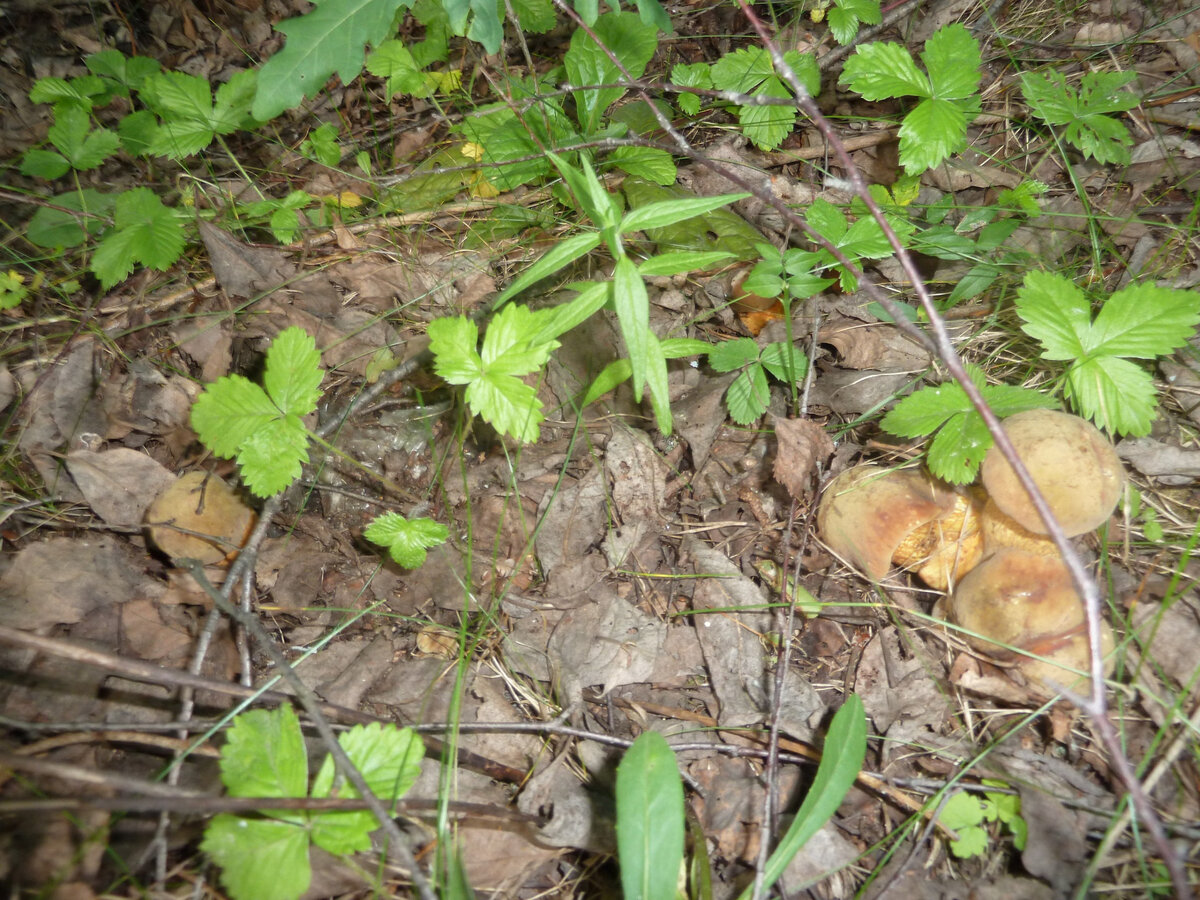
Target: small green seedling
column 748, row 396
column 846, row 15
column 12, row 289
column 966, row 814
column 963, row 439
column 262, row 428
column 650, row 820
column 265, row 857
column 406, row 540
column 948, row 99
column 1142, row 321
column 1085, row 112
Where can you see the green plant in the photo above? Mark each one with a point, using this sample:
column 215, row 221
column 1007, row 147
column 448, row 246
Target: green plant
column 265, row 857
column 966, row 814
column 406, row 540
column 1085, row 112
column 650, row 819
column 936, row 127
column 962, row 440
column 845, row 16
column 748, row 395
column 12, row 289
column 261, row 427
column 1142, row 321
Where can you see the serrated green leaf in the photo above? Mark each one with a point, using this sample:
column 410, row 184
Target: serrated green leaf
column 261, row 858
column 144, row 231
column 748, row 395
column 650, row 819
column 1056, row 313
column 535, row 16
column 389, row 759
column 935, row 130
column 845, row 16
column 510, row 405
column 264, row 755
column 1084, row 113
column 787, row 363
column 130, row 71
column 231, row 109
column 329, row 39
column 273, row 457
column 453, row 341
column 682, row 261
column 507, row 348
column 138, row 132
column 625, row 37
column 406, row 540
column 292, row 376
column 1144, row 321
column 926, row 410
column 960, row 811
column 72, row 136
column 228, row 412
column 971, row 842
column 767, row 126
column 826, row 219
column 1116, row 394
column 957, row 451
column 393, row 61
column 729, row 355
column 632, row 306
column 883, row 70
column 697, row 75
column 953, row 60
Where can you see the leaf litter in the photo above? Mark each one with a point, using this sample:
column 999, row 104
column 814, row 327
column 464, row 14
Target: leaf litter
column 621, row 561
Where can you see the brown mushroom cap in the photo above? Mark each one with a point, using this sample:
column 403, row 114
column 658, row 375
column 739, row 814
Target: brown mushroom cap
column 1001, row 531
column 1025, row 602
column 1072, row 463
column 873, row 517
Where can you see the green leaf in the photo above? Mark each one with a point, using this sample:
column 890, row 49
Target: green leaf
column 647, row 162
column 748, row 395
column 1085, row 113
column 566, row 316
column 329, row 39
column 54, row 228
column 510, row 405
column 650, row 820
column 130, row 71
column 293, row 372
column 72, row 136
column 716, row 230
column 678, row 348
column 841, row 760
column 389, row 759
column 44, row 164
column 1145, row 321
column 558, row 257
column 393, row 61
column 881, row 71
column 406, row 541
column 953, row 59
column 83, row 93
column 264, row 755
column 787, row 363
column 535, row 16
column 730, row 355
column 697, row 75
column 273, row 457
column 138, row 132
column 845, row 16
column 670, row 212
column 629, row 40
column 750, row 71
column 1056, row 313
column 145, row 232
column 682, row 261
column 615, row 373
column 1116, row 394
column 264, row 859
column 453, row 341
column 632, row 306
column 12, row 289
column 934, row 131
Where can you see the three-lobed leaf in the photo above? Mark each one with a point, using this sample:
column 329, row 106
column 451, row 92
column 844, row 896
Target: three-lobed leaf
column 406, row 540
column 1085, row 113
column 145, row 231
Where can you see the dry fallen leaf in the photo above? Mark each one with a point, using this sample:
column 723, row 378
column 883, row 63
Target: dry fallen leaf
column 119, row 484
column 199, row 517
column 802, row 444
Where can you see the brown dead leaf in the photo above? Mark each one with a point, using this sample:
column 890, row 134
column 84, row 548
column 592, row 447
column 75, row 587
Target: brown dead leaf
column 878, row 346
column 243, row 270
column 149, row 637
column 199, row 517
column 120, row 484
column 802, row 443
column 62, row 580
column 434, row 640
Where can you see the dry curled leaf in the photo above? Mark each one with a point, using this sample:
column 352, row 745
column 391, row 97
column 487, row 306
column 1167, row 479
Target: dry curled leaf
column 802, row 444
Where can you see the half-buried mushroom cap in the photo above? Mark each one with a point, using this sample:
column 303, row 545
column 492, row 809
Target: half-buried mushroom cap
column 1072, row 463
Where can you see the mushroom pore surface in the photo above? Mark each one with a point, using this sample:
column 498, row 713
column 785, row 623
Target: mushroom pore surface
column 1073, row 464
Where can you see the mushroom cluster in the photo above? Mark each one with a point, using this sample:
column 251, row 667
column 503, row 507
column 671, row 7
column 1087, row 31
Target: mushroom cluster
column 1009, row 588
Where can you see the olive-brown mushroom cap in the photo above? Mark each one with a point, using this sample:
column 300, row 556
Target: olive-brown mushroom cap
column 873, row 517
column 1072, row 463
column 1017, row 601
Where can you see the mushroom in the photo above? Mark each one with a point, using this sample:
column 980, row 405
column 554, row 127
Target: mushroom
column 1072, row 463
column 1021, row 607
column 874, row 518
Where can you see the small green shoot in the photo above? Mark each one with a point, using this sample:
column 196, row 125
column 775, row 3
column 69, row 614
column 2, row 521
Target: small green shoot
column 937, row 126
column 748, row 395
column 846, row 15
column 265, row 857
column 1143, row 513
column 262, row 429
column 962, row 437
column 650, row 819
column 191, row 120
column 749, row 71
column 406, row 540
column 1142, row 321
column 1086, row 112
column 966, row 814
